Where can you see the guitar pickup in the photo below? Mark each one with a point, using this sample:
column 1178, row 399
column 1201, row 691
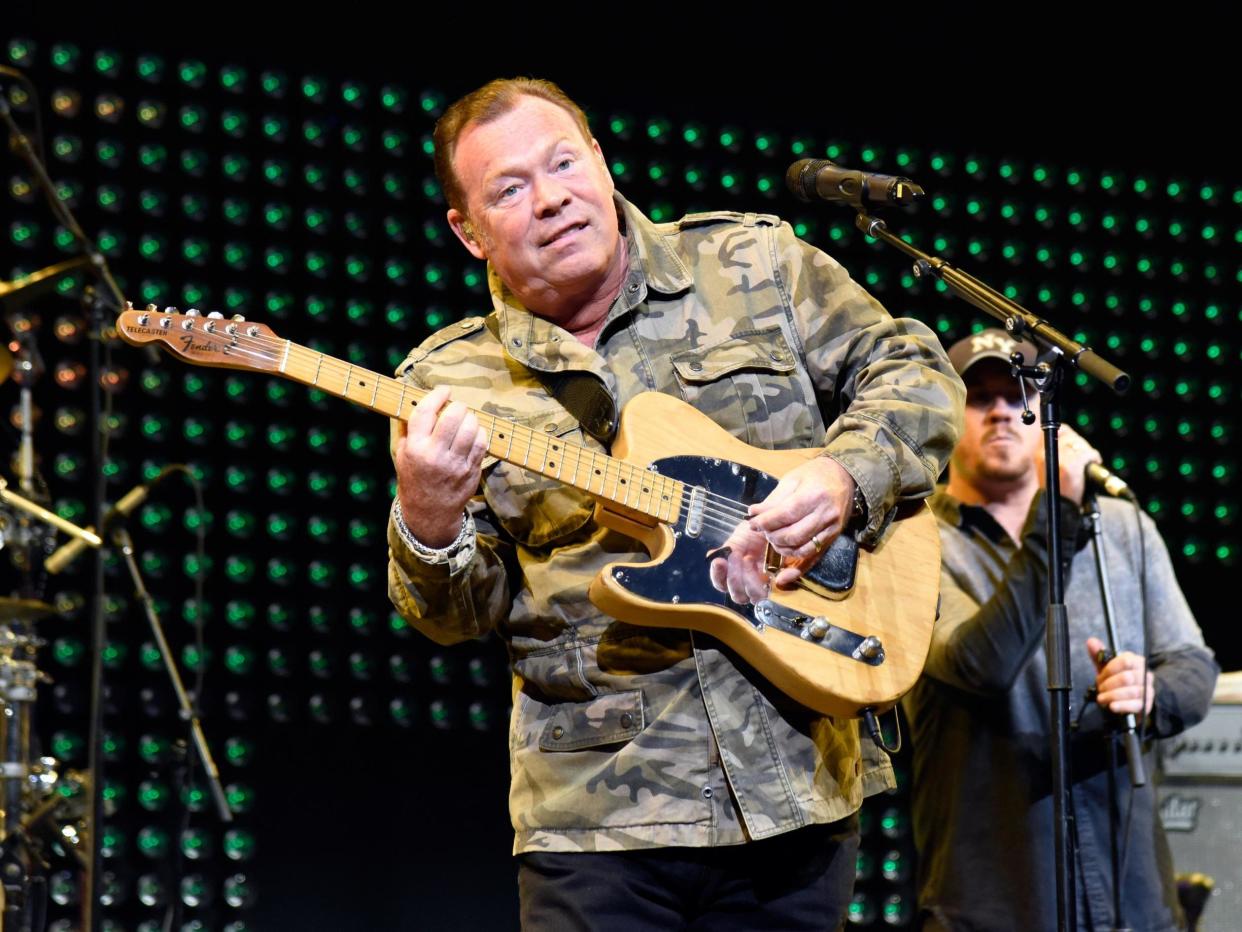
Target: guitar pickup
column 694, row 513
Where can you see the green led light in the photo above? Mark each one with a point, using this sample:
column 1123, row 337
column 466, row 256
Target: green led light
column 276, row 172
column 21, row 52
column 153, row 796
column 393, row 98
column 728, row 139
column 321, row 573
column 192, row 72
column 313, row 89
column 321, row 483
column 153, row 842
column 239, row 660
column 937, row 163
column 318, row 263
column 240, row 798
column 65, row 56
column 1174, row 189
column 239, row 614
column 238, row 751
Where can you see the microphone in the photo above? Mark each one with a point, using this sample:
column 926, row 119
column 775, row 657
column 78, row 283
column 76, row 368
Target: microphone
column 1109, row 482
column 67, row 553
column 820, row 179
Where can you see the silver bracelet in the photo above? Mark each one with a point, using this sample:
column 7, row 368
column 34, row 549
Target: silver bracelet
column 431, row 554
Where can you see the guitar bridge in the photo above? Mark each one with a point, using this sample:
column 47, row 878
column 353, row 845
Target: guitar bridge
column 865, row 648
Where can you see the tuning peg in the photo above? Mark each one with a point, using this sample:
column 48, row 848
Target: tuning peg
column 129, row 305
column 151, row 309
column 191, row 312
column 216, row 315
column 169, row 310
column 239, row 318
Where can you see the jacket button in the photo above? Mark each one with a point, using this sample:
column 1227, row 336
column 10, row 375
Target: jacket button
column 707, row 792
column 777, row 356
column 517, row 342
column 627, row 720
column 558, row 733
column 633, row 287
column 550, row 428
column 696, row 366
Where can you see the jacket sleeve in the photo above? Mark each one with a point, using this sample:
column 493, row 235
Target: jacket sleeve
column 454, row 601
column 981, row 648
column 896, row 399
column 1183, row 667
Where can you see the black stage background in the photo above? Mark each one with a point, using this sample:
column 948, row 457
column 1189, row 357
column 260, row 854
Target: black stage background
column 376, row 762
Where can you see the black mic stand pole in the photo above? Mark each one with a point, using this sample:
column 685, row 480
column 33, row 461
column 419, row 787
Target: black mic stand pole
column 1047, row 373
column 1128, row 726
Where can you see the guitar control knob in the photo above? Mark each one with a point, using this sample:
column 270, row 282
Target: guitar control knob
column 817, row 629
column 869, row 648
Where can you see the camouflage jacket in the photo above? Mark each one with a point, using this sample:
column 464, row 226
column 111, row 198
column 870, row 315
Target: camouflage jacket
column 633, row 737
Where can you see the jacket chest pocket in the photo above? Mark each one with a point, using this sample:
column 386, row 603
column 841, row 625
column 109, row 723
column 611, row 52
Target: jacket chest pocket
column 535, row 509
column 753, row 386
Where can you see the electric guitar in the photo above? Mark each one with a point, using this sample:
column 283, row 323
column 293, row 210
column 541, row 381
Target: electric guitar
column 852, row 635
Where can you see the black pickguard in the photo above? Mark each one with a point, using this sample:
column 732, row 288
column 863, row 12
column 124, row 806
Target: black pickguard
column 683, row 576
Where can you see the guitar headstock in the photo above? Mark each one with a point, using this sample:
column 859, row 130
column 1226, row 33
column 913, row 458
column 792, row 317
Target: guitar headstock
column 203, row 339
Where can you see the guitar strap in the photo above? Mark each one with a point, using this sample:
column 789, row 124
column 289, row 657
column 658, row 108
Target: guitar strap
column 582, row 394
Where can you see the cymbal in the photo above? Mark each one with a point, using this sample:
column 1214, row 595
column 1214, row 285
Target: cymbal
column 24, row 609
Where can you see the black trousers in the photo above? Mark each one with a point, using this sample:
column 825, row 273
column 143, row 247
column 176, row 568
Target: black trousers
column 800, row 880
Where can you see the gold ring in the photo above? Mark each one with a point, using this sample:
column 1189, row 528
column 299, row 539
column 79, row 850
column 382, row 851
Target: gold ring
column 815, row 541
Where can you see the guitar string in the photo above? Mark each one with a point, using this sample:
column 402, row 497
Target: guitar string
column 716, row 507
column 726, row 513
